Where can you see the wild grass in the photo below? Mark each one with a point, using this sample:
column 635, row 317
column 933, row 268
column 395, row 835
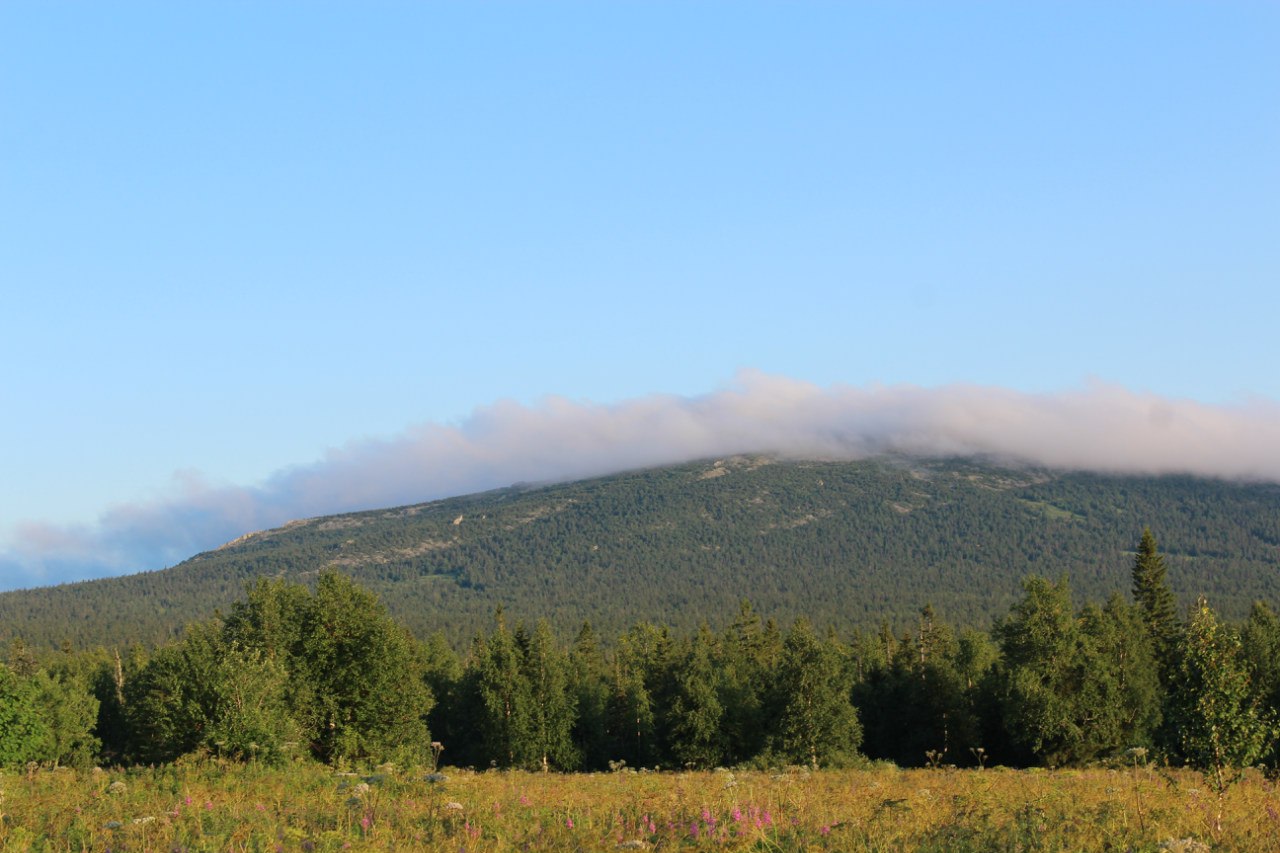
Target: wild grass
column 210, row 806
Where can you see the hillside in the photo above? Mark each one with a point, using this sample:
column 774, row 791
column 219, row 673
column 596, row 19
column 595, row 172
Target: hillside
column 845, row 543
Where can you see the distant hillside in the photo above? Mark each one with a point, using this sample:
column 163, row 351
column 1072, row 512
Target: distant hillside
column 845, row 543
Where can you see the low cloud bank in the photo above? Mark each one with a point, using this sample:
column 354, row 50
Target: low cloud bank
column 1098, row 428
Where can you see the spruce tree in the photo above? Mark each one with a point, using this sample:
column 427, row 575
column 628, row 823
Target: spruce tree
column 553, row 706
column 695, row 718
column 743, row 670
column 629, row 713
column 504, row 720
column 1151, row 593
column 589, row 684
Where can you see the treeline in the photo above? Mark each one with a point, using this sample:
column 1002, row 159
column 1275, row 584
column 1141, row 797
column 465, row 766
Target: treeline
column 326, row 674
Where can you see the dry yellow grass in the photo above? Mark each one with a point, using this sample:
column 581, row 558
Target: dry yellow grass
column 307, row 807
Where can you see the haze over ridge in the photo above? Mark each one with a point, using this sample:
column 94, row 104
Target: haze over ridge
column 1099, row 427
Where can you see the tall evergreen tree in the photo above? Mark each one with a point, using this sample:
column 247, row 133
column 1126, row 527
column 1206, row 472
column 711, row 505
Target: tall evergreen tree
column 588, row 682
column 171, row 703
column 1075, row 687
column 696, row 714
column 442, row 673
column 630, row 715
column 744, row 666
column 650, row 652
column 1260, row 646
column 920, row 707
column 1151, row 593
column 71, row 711
column 505, row 704
column 553, row 706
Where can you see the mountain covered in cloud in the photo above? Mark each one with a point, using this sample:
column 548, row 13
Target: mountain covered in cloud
column 846, row 543
column 1099, row 428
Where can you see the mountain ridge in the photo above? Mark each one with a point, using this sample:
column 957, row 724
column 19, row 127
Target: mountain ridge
column 849, row 544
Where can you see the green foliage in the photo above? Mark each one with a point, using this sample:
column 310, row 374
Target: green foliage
column 208, row 693
column 1220, row 726
column 356, row 690
column 589, row 686
column 1043, row 672
column 1260, row 647
column 818, row 724
column 326, row 665
column 24, row 734
column 504, row 707
column 70, row 711
column 1155, row 600
column 921, row 705
column 252, row 719
column 442, row 674
column 749, row 656
column 171, row 704
column 554, row 707
column 1122, row 694
column 696, row 716
column 635, row 695
column 1075, row 688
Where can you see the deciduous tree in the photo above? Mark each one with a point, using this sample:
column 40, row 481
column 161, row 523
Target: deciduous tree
column 1217, row 717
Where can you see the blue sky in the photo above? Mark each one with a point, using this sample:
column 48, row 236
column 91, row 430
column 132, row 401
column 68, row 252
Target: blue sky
column 240, row 239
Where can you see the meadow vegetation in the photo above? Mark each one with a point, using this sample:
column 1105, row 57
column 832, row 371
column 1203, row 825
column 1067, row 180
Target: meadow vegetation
column 205, row 805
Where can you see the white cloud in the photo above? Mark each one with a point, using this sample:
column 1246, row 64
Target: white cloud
column 1099, row 427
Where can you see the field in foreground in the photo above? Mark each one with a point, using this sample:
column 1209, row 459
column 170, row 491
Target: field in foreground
column 312, row 808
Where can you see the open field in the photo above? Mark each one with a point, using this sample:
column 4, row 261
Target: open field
column 208, row 806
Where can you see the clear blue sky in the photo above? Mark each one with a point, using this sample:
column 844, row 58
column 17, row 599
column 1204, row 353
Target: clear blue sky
column 235, row 234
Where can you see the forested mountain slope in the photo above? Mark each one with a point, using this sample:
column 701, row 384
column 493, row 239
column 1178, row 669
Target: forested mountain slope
column 845, row 543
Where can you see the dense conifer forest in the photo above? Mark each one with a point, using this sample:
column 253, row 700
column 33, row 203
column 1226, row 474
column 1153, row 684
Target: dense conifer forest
column 846, row 544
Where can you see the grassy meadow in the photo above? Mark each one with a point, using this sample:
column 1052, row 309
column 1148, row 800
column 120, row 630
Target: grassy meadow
column 212, row 806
